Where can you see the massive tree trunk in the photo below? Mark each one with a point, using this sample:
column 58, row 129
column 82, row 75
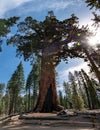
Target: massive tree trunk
column 47, row 101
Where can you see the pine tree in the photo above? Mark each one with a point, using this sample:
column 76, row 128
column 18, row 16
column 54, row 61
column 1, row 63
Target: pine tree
column 65, row 103
column 32, row 84
column 77, row 100
column 15, row 86
column 68, row 95
column 28, row 91
column 92, row 91
column 78, row 79
column 7, row 101
column 2, row 86
column 86, row 90
column 61, row 98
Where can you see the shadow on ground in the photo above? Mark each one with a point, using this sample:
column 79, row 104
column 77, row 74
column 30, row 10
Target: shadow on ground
column 32, row 127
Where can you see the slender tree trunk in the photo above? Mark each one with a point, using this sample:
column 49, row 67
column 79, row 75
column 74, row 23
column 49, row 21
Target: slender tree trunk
column 11, row 106
column 86, row 90
column 88, row 97
column 29, row 100
column 7, row 103
column 15, row 104
column 92, row 92
column 47, row 101
column 34, row 95
column 94, row 67
column 26, row 102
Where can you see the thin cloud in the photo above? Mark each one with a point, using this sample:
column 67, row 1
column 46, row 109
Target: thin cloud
column 6, row 5
column 58, row 5
column 24, row 7
column 63, row 75
column 41, row 5
column 27, row 6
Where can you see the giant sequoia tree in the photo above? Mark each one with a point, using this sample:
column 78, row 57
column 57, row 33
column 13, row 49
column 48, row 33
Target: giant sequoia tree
column 48, row 40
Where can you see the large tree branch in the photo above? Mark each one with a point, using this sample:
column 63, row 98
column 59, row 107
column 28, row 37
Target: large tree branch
column 55, row 47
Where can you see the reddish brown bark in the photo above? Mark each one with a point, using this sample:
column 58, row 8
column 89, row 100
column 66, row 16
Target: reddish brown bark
column 48, row 79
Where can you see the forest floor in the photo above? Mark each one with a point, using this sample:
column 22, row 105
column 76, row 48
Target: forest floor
column 47, row 121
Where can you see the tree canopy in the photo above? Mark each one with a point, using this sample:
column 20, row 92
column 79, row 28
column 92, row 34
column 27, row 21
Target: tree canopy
column 49, row 38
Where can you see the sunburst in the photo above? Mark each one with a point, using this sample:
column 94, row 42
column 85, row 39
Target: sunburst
column 93, row 40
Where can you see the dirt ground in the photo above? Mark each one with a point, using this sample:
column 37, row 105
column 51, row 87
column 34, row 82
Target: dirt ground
column 81, row 122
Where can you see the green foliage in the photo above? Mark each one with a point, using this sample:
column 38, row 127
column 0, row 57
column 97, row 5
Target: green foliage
column 81, row 91
column 5, row 25
column 17, row 79
column 68, row 95
column 6, row 102
column 80, row 85
column 13, row 100
column 77, row 100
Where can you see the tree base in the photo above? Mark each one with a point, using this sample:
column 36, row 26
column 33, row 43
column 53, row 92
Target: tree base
column 48, row 105
column 57, row 109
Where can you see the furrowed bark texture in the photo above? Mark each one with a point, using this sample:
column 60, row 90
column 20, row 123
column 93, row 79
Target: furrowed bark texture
column 47, row 101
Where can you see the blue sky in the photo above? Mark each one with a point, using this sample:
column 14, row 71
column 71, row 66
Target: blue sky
column 38, row 9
